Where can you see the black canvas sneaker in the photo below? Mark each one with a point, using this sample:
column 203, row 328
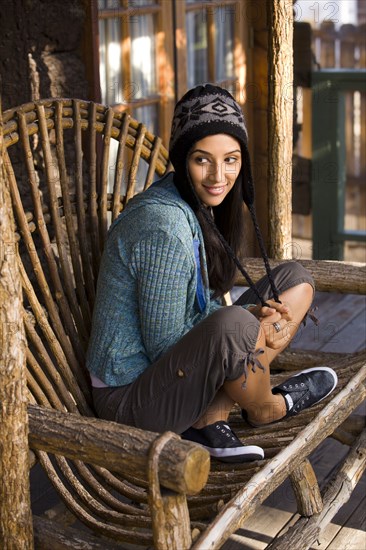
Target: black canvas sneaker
column 307, row 388
column 303, row 390
column 223, row 444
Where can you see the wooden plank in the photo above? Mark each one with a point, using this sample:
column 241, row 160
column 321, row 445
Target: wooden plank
column 312, row 336
column 328, row 37
column 336, row 315
column 326, row 459
column 335, row 495
column 351, row 335
column 331, row 532
column 258, row 530
column 352, row 535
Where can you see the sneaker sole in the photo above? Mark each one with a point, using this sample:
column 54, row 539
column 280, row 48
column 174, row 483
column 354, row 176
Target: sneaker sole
column 236, row 454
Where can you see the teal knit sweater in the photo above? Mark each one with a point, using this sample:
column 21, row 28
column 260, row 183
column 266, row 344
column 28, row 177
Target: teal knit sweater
column 150, row 291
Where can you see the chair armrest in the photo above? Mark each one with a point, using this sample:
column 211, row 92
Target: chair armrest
column 183, row 466
column 329, row 275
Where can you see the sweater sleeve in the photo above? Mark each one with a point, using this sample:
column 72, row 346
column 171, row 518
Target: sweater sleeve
column 163, row 269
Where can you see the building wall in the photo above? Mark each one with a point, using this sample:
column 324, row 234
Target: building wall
column 40, row 50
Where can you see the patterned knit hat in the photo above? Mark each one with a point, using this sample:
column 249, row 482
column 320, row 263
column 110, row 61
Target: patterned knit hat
column 204, row 111
column 201, row 112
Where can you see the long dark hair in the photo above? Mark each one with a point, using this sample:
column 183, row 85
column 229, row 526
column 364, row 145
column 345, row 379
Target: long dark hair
column 228, row 217
column 229, row 220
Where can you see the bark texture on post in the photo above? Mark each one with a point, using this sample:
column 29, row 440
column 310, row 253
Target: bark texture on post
column 280, row 82
column 306, row 489
column 15, row 514
column 183, row 466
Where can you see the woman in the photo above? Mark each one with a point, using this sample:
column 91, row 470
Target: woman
column 164, row 353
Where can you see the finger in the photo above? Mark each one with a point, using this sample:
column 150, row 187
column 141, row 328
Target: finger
column 277, row 343
column 270, row 319
column 267, row 311
column 276, row 340
column 275, row 330
column 283, row 308
column 286, row 311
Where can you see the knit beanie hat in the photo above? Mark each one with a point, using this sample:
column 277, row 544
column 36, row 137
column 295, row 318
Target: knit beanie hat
column 203, row 111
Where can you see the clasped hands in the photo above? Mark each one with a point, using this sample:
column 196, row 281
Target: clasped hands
column 275, row 321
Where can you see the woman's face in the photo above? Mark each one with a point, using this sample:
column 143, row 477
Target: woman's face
column 214, row 163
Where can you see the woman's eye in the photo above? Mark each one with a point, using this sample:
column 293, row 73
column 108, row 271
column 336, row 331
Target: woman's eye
column 201, row 160
column 231, row 160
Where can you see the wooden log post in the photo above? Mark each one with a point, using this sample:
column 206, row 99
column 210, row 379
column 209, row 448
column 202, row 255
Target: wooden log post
column 16, row 531
column 169, row 512
column 306, row 489
column 280, row 83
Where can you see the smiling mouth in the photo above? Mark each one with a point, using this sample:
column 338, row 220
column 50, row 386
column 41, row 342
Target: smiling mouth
column 214, row 190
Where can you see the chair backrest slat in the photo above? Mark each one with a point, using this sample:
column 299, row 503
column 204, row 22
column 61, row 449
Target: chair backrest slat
column 154, row 157
column 35, row 395
column 120, row 163
column 45, row 360
column 37, row 269
column 58, row 292
column 103, row 200
column 73, row 247
column 40, row 386
column 96, row 247
column 72, row 374
column 139, row 140
column 82, row 229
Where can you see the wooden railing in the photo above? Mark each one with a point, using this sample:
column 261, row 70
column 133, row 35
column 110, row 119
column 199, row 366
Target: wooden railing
column 334, row 118
column 345, row 48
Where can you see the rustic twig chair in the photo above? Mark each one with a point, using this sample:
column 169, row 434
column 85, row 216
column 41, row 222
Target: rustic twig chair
column 72, row 166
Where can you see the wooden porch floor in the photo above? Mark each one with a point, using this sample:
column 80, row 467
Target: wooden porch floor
column 342, row 329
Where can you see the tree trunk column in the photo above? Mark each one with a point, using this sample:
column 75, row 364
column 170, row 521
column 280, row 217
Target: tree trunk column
column 16, row 531
column 280, row 82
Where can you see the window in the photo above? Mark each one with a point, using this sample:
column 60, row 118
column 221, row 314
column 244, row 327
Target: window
column 210, row 41
column 152, row 51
